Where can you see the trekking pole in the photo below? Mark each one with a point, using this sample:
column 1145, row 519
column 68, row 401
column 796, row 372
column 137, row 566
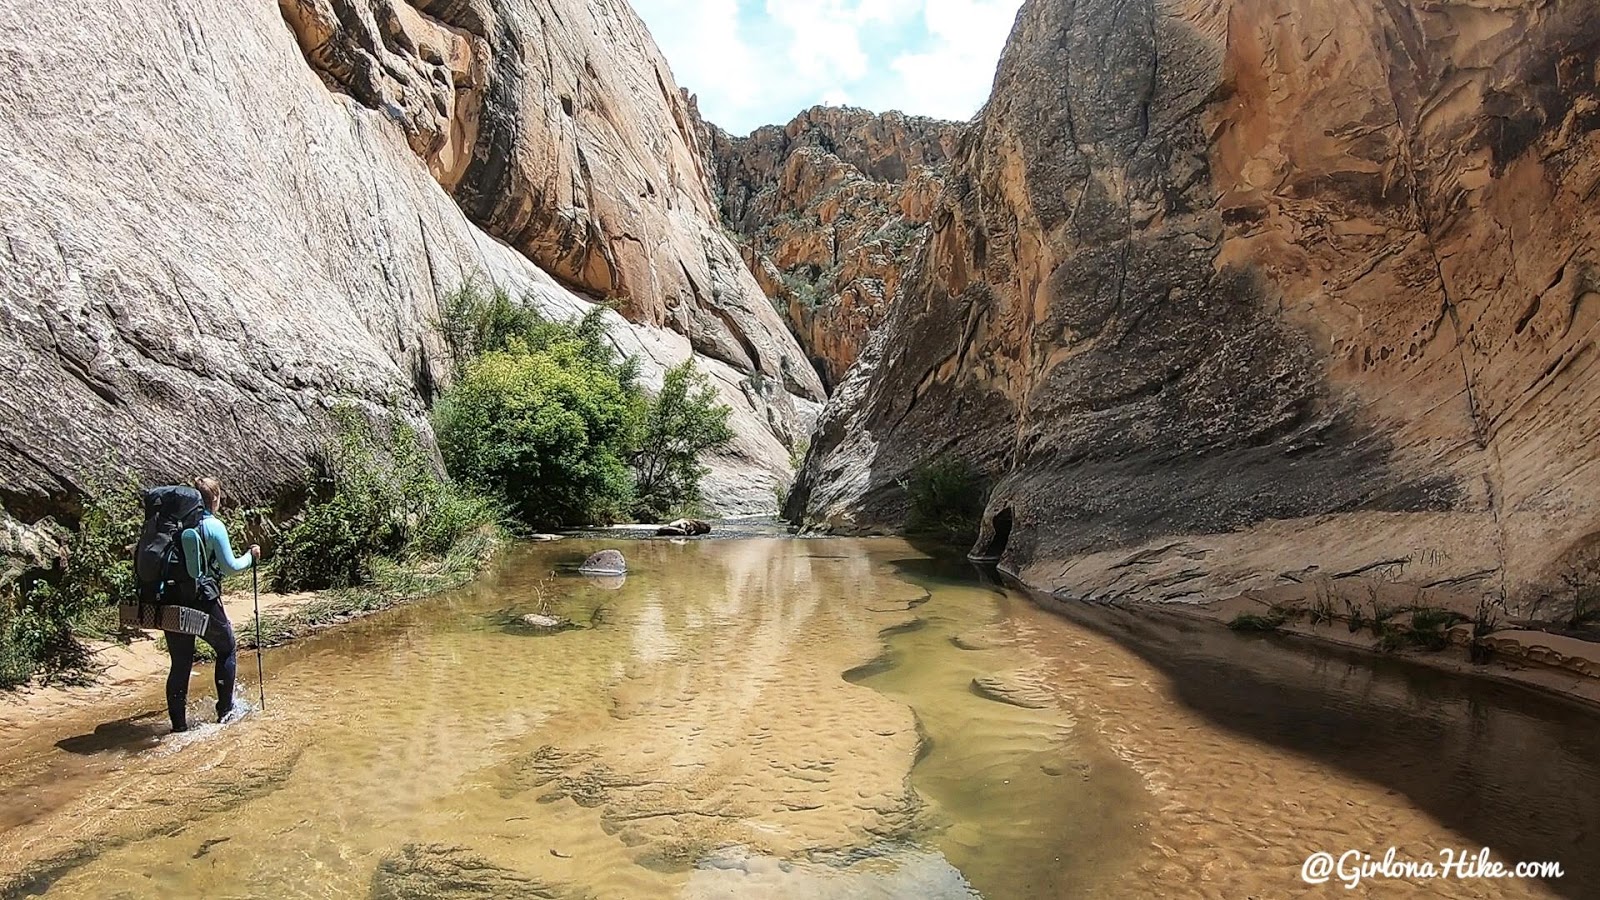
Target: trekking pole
column 255, row 591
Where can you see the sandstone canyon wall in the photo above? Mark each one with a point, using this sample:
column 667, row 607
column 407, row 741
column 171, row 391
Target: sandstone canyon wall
column 830, row 208
column 557, row 127
column 203, row 247
column 1231, row 296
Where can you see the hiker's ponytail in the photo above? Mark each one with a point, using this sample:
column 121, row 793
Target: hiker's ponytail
column 211, row 490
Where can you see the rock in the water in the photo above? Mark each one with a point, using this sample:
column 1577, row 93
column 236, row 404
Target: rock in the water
column 606, row 562
column 1013, row 689
column 546, row 622
column 437, row 872
column 684, row 528
column 608, row 582
column 1221, row 290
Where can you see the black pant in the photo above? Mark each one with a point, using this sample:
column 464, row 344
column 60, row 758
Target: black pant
column 206, row 596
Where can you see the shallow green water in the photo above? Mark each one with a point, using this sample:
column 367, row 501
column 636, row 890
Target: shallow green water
column 750, row 718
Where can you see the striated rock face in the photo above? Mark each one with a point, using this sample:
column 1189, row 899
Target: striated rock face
column 831, row 207
column 1259, row 295
column 205, row 248
column 558, row 128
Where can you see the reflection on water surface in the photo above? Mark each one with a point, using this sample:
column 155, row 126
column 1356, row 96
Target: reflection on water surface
column 792, row 718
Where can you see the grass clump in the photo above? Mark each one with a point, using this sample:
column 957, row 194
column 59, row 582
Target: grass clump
column 947, row 499
column 1428, row 630
column 1250, row 622
column 379, row 500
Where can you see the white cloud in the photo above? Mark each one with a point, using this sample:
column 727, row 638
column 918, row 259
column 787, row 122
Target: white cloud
column 704, row 47
column 928, row 57
column 822, row 42
column 951, row 78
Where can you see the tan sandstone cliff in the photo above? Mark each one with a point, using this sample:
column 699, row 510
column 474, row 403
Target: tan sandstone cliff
column 217, row 220
column 1255, row 295
column 830, row 208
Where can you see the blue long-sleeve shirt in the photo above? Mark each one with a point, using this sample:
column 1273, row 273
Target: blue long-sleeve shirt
column 218, row 550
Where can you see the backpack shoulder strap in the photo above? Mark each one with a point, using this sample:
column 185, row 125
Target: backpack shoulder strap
column 208, row 558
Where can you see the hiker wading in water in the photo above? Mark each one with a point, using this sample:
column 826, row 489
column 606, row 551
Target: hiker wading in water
column 208, row 555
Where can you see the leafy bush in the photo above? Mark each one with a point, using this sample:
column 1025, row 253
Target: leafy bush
column 684, row 421
column 34, row 638
column 43, row 615
column 947, row 500
column 375, row 500
column 546, row 415
column 476, row 323
column 548, row 429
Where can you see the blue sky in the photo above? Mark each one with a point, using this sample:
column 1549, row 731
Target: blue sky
column 758, row 62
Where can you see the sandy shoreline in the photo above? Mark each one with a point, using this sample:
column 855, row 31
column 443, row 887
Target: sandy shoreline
column 120, row 670
column 1562, row 666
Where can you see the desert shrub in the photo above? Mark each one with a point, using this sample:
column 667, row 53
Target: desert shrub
column 797, row 453
column 683, row 421
column 1271, row 621
column 548, row 429
column 99, row 565
column 947, row 499
column 43, row 615
column 378, row 497
column 548, row 416
column 806, row 290
column 476, row 322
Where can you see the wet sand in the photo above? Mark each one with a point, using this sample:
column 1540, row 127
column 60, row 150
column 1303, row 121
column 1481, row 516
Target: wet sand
column 117, row 672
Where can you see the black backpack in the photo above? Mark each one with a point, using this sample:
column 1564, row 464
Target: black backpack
column 158, row 557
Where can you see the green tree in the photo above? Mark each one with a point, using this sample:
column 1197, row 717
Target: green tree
column 684, row 421
column 548, row 427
